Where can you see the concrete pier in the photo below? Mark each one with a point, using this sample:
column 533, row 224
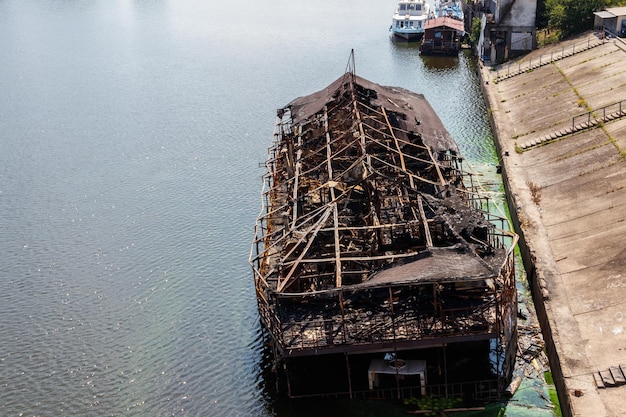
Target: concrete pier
column 566, row 186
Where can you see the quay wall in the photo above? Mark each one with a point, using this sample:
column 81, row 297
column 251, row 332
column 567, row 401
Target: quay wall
column 529, row 265
column 565, row 184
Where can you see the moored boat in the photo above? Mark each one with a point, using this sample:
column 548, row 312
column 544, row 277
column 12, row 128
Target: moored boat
column 408, row 20
column 378, row 267
column 449, row 8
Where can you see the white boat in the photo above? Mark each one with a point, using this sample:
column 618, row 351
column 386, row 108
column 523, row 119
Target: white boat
column 408, row 19
column 449, row 8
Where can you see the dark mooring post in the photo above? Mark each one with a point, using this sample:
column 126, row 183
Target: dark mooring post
column 445, row 369
column 287, row 376
column 349, row 377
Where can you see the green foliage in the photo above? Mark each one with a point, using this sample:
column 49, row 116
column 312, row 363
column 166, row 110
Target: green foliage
column 571, row 16
column 548, row 37
column 475, row 35
column 556, row 14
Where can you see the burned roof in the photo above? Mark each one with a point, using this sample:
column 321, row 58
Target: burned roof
column 414, row 107
column 365, row 187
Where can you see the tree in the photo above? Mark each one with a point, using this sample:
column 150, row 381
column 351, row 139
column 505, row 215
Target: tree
column 572, row 16
column 476, row 27
column 556, row 13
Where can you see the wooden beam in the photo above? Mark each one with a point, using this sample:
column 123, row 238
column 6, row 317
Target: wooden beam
column 282, row 284
column 429, row 239
column 298, row 166
column 395, row 139
column 443, row 181
column 331, row 186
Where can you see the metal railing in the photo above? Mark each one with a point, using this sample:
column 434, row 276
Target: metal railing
column 327, row 333
column 522, row 66
column 476, row 390
column 599, row 115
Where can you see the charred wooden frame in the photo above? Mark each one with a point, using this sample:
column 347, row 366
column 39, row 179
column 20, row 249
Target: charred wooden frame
column 372, row 237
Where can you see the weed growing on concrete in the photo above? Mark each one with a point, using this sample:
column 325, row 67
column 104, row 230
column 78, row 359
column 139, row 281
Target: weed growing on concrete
column 525, row 223
column 535, row 191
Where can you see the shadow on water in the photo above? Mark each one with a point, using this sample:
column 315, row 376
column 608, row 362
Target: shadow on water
column 440, row 63
column 431, row 63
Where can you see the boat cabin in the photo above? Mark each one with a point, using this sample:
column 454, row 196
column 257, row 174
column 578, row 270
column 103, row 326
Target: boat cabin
column 442, row 36
column 410, row 8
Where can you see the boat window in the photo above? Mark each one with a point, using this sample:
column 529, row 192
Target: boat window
column 402, row 7
column 411, row 7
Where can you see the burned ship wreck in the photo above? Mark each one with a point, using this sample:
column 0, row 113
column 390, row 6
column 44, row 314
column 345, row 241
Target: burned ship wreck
column 378, row 267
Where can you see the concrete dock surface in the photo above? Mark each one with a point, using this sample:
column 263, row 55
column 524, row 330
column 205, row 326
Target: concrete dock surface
column 561, row 136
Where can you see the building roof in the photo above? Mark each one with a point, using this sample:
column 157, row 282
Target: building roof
column 617, row 11
column 444, row 21
column 604, row 14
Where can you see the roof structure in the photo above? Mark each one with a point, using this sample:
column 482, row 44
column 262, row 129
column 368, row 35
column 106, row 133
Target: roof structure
column 445, row 21
column 617, row 11
column 604, row 14
column 362, row 177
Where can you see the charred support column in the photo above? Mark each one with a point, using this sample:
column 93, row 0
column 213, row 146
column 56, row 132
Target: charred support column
column 349, row 377
column 287, row 376
column 395, row 346
column 344, row 331
column 445, row 368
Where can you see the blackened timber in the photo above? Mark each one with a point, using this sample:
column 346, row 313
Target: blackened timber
column 369, row 240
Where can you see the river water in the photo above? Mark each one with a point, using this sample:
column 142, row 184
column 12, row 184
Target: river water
column 131, row 138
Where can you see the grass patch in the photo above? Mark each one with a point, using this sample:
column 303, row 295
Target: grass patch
column 548, row 37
